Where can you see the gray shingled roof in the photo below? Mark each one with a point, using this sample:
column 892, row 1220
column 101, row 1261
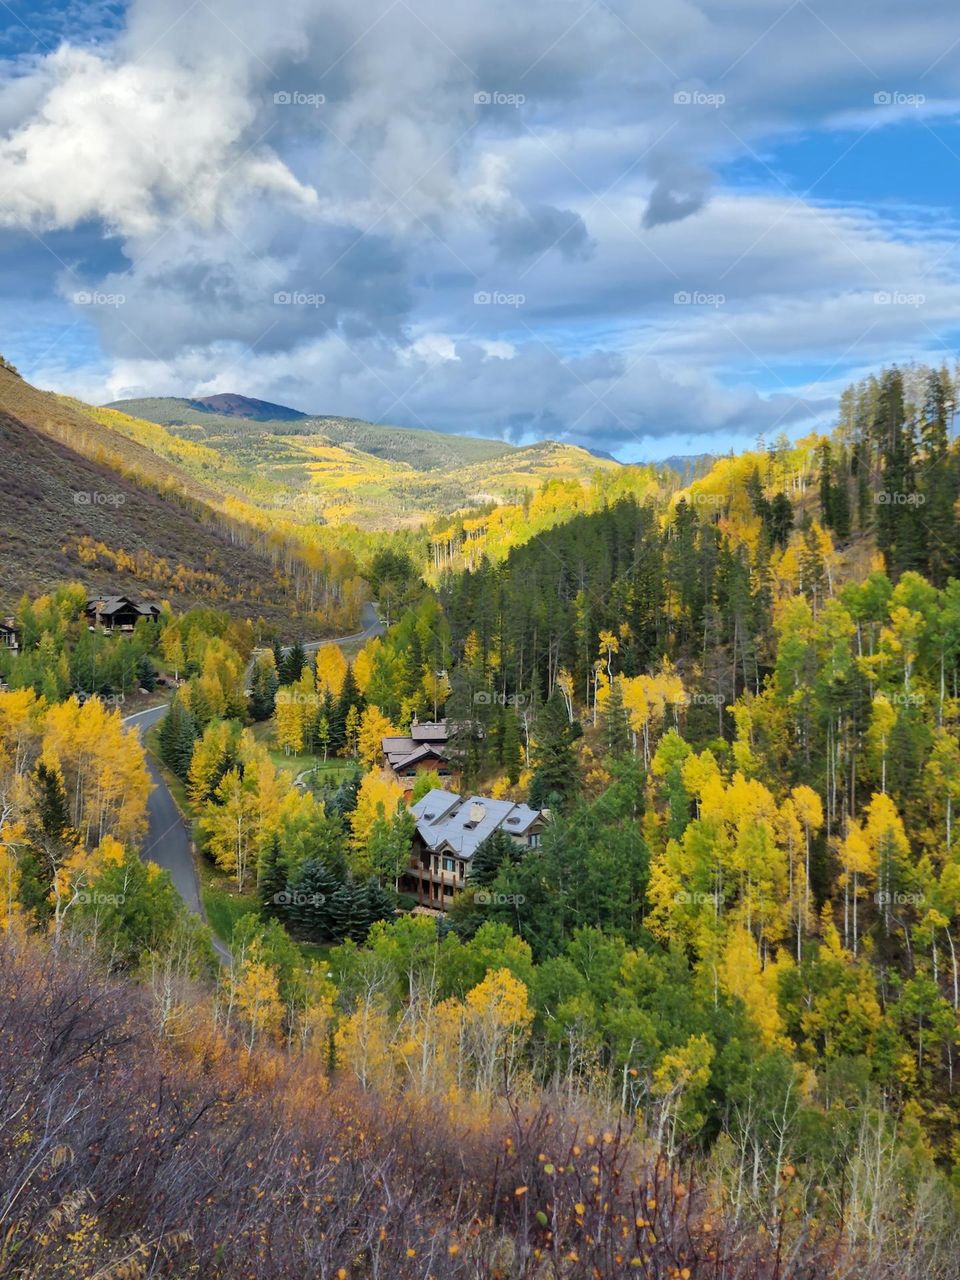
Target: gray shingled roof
column 446, row 820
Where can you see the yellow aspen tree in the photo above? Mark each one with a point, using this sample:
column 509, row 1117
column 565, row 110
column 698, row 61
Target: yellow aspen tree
column 889, row 849
column 377, row 799
column 742, row 976
column 289, row 721
column 857, row 859
column 499, row 1017
column 363, row 1044
column 331, row 669
column 256, row 996
column 230, row 826
column 365, row 662
column 809, row 810
column 374, row 726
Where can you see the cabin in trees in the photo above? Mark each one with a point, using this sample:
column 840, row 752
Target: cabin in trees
column 9, row 636
column 119, row 613
column 450, row 828
column 423, row 751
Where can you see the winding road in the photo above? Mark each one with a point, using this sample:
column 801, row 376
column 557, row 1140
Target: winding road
column 168, row 842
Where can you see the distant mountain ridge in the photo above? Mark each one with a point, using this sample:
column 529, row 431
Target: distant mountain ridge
column 237, row 406
column 84, row 501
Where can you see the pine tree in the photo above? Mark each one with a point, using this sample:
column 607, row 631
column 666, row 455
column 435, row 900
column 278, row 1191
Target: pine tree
column 272, row 879
column 510, row 750
column 555, row 777
column 311, row 893
column 491, row 854
column 263, row 692
column 343, row 909
column 615, row 727
column 293, row 663
column 177, row 736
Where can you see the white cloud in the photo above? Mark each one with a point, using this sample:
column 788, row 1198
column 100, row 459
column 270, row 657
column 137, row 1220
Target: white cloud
column 580, row 185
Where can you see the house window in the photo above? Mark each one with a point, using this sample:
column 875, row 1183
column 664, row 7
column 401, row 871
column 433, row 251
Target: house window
column 533, row 841
column 448, row 864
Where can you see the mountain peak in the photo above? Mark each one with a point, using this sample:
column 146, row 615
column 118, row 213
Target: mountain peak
column 231, row 405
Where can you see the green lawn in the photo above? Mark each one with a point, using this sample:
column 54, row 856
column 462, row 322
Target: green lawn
column 223, row 905
column 325, row 772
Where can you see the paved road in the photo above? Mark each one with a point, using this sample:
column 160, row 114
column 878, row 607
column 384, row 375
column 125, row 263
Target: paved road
column 372, row 626
column 167, row 842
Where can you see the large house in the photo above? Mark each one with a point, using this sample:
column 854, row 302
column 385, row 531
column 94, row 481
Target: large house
column 9, row 636
column 119, row 613
column 450, row 828
column 423, row 750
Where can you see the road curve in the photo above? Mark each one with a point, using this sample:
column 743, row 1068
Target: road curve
column 167, row 842
column 372, row 626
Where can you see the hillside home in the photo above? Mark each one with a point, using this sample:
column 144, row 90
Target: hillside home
column 118, row 613
column 424, row 750
column 9, row 635
column 450, row 828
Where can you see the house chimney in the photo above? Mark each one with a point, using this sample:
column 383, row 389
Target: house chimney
column 477, row 812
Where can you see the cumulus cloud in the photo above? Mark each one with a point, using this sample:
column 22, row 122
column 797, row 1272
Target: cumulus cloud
column 473, row 217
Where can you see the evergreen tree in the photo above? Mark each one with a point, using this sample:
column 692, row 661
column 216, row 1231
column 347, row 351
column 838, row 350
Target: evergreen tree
column 614, row 726
column 555, row 777
column 510, row 749
column 146, row 673
column 311, row 893
column 350, row 696
column 491, row 854
column 344, row 912
column 50, row 841
column 263, row 692
column 293, row 663
column 177, row 735
column 272, row 879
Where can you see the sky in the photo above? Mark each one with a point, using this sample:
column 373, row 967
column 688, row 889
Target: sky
column 645, row 228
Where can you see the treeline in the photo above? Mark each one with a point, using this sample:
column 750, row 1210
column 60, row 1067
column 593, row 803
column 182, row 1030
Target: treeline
column 893, row 468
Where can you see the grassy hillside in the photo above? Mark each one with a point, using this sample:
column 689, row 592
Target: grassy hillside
column 124, row 506
column 345, row 470
column 233, row 432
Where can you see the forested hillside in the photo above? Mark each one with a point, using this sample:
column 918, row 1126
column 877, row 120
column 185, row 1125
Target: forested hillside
column 134, row 510
column 344, row 470
column 705, row 1024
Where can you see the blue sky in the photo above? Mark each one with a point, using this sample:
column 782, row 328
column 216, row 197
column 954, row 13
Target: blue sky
column 643, row 228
